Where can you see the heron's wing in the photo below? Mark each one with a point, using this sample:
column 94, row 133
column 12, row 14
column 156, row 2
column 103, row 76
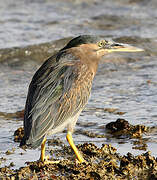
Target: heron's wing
column 52, row 100
column 34, row 90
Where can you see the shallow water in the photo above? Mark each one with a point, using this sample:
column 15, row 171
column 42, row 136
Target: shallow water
column 32, row 22
column 126, row 81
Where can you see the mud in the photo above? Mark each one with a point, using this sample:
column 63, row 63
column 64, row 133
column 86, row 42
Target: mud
column 18, row 134
column 38, row 53
column 18, row 115
column 121, row 127
column 100, row 163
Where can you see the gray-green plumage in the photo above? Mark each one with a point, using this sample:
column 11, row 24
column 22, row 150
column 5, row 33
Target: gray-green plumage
column 55, row 96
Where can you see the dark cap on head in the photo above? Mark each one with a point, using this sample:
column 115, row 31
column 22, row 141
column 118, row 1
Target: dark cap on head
column 83, row 39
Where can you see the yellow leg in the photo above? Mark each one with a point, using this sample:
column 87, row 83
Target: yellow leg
column 44, row 158
column 76, row 151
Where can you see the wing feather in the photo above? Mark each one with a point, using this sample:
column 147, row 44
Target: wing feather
column 54, row 96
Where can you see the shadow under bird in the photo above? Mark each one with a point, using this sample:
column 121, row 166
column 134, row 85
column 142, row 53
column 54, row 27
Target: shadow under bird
column 60, row 89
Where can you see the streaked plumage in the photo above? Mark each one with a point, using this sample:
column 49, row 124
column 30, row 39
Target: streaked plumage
column 60, row 89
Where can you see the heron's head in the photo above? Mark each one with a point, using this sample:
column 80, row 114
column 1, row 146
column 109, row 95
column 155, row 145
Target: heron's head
column 95, row 45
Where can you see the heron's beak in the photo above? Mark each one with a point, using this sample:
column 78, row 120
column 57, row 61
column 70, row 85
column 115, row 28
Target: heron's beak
column 118, row 47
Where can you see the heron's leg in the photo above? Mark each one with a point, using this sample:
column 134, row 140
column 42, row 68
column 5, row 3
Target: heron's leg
column 76, row 151
column 43, row 158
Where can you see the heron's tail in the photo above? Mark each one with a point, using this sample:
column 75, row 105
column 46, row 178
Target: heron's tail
column 32, row 144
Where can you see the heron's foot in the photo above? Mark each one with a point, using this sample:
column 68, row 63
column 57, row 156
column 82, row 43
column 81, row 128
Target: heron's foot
column 51, row 162
column 47, row 160
column 80, row 158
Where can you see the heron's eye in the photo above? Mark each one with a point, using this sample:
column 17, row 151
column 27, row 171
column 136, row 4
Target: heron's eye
column 102, row 43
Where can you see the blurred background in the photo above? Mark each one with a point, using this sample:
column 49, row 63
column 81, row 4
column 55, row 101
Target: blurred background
column 32, row 30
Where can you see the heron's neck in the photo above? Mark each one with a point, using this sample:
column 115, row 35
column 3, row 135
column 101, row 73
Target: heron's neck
column 87, row 56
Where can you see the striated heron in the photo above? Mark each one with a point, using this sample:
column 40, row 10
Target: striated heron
column 60, row 89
